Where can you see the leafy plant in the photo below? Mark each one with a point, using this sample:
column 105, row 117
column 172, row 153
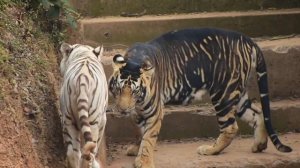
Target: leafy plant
column 53, row 16
column 55, row 9
column 3, row 3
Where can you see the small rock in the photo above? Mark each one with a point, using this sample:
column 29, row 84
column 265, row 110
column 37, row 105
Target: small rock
column 34, row 141
column 27, row 110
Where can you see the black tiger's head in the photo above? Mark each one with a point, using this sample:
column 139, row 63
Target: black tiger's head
column 131, row 79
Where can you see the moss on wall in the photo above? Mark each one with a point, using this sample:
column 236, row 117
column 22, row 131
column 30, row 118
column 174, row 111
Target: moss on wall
column 96, row 8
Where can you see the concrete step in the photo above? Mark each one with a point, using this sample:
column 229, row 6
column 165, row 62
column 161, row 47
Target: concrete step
column 120, row 30
column 96, row 8
column 199, row 121
column 182, row 154
column 282, row 55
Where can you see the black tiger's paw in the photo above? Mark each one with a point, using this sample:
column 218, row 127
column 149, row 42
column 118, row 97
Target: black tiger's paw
column 257, row 148
column 207, row 150
column 143, row 163
column 284, row 148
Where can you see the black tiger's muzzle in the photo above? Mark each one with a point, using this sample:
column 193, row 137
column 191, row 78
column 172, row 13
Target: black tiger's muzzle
column 126, row 112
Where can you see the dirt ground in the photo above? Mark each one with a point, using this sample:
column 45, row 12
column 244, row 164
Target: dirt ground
column 182, row 154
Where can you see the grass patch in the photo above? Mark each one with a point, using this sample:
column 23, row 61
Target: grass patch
column 6, row 69
column 4, row 55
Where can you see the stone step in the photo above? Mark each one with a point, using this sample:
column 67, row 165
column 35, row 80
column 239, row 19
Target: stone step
column 96, row 8
column 126, row 31
column 198, row 121
column 282, row 56
column 182, row 154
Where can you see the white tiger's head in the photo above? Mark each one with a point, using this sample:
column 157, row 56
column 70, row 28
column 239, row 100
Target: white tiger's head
column 131, row 79
column 73, row 52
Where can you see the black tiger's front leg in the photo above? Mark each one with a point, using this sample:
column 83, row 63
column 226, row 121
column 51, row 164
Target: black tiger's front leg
column 151, row 130
column 137, row 122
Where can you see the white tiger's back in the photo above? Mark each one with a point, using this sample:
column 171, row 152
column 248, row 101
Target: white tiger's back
column 84, row 99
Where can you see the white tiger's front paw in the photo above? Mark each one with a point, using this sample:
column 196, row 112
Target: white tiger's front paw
column 95, row 164
column 206, row 150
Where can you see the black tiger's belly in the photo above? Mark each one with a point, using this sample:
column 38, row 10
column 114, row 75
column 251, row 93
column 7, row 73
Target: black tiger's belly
column 186, row 94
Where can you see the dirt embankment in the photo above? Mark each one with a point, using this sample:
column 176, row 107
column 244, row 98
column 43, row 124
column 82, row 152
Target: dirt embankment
column 30, row 131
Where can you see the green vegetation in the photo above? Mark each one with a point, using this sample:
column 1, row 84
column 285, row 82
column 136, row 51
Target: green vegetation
column 4, row 56
column 5, row 68
column 53, row 16
column 55, row 10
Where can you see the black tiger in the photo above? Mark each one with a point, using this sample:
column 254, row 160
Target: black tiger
column 178, row 67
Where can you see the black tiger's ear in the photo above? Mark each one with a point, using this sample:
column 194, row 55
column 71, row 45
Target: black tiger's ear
column 98, row 51
column 119, row 61
column 146, row 66
column 65, row 49
column 147, row 69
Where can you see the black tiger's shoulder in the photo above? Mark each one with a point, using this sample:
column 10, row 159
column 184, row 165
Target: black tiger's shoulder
column 196, row 34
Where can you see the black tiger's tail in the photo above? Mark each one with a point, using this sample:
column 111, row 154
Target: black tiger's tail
column 262, row 79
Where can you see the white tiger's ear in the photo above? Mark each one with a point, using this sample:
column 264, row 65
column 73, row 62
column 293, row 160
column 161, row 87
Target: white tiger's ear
column 98, row 51
column 118, row 62
column 65, row 49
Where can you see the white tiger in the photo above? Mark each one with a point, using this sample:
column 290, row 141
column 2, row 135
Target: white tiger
column 83, row 103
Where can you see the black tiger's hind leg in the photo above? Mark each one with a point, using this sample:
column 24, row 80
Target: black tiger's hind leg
column 253, row 115
column 228, row 129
